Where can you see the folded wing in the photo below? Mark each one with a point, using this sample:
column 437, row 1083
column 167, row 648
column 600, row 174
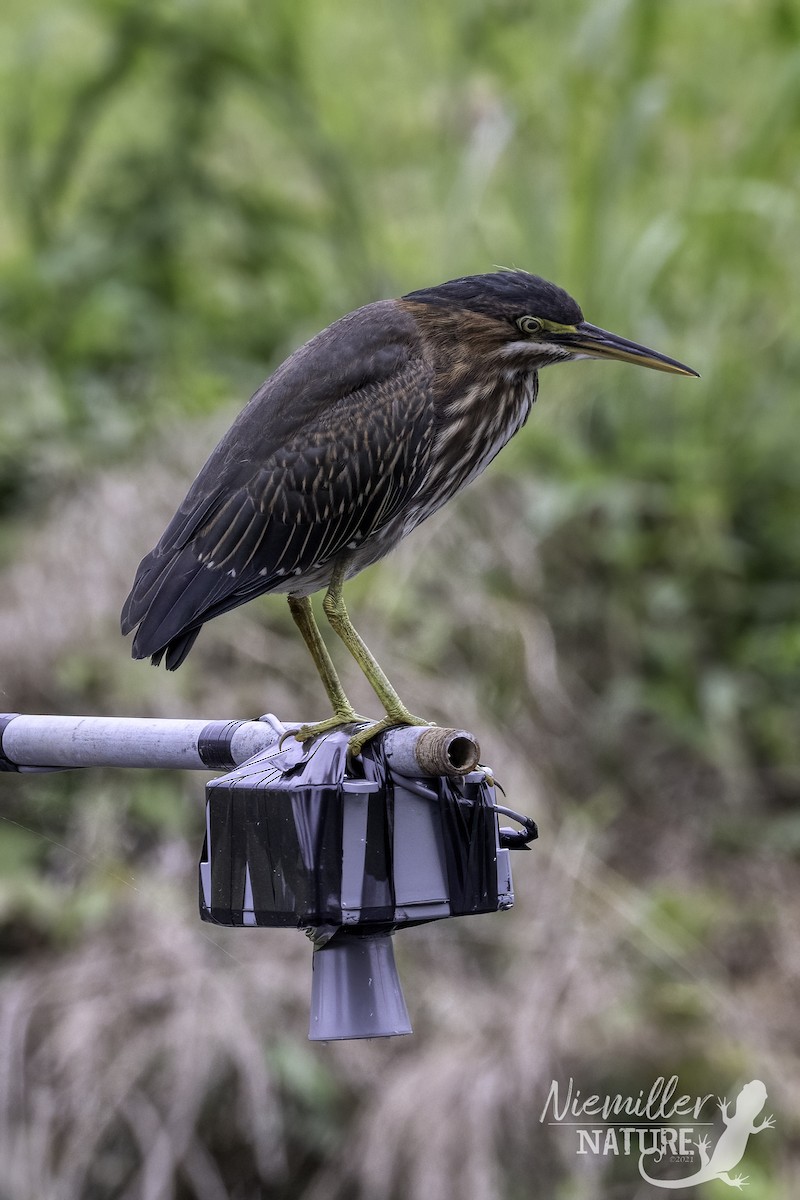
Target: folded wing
column 318, row 463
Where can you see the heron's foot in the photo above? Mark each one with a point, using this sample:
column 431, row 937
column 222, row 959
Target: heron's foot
column 398, row 716
column 339, row 719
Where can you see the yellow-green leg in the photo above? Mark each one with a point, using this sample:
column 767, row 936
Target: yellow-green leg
column 343, row 711
column 396, row 712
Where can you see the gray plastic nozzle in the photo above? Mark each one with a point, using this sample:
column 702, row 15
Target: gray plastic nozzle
column 355, row 990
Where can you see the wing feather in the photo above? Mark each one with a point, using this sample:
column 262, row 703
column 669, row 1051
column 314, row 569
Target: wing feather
column 320, row 460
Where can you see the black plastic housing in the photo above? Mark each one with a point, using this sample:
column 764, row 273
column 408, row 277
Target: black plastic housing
column 294, row 839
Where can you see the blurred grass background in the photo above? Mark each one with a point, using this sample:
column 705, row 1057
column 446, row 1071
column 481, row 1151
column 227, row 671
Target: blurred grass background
column 188, row 191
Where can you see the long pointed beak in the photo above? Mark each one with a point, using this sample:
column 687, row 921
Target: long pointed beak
column 599, row 343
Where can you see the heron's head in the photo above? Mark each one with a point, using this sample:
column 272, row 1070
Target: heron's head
column 524, row 322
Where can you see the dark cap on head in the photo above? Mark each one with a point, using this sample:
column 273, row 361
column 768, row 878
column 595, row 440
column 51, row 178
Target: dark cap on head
column 501, row 294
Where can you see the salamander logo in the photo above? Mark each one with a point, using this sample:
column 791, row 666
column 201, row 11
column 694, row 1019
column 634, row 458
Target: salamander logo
column 663, row 1128
column 730, row 1148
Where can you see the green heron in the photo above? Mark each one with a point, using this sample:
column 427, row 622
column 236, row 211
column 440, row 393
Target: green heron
column 359, row 436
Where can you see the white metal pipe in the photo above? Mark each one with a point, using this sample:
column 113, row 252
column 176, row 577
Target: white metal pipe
column 47, row 741
column 31, row 743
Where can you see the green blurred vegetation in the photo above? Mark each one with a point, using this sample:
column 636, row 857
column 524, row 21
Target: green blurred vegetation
column 189, row 189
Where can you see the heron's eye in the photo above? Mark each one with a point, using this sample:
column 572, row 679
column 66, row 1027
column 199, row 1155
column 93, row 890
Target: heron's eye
column 530, row 324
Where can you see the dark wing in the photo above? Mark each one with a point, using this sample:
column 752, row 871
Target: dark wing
column 322, row 458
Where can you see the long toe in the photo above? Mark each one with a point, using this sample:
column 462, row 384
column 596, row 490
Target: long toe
column 338, row 721
column 359, row 740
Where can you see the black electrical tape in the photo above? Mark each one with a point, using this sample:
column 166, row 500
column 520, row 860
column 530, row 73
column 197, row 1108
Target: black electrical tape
column 5, row 762
column 214, row 745
column 512, row 839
